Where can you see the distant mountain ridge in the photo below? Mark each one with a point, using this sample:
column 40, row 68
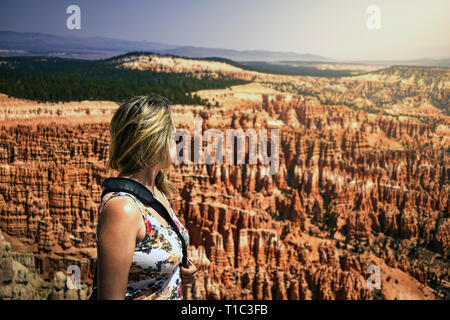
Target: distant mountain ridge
column 71, row 47
column 243, row 55
column 426, row 62
column 102, row 47
column 14, row 43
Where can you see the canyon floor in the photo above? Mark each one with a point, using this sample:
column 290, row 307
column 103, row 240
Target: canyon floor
column 363, row 180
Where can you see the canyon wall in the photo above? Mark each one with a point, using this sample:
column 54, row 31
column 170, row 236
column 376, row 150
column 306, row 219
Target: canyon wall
column 353, row 189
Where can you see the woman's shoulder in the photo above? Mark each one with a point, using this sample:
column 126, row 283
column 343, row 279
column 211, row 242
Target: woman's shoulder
column 119, row 203
column 119, row 194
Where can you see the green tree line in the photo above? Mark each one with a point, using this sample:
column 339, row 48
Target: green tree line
column 55, row 79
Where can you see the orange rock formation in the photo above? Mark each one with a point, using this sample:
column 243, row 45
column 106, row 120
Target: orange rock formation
column 353, row 189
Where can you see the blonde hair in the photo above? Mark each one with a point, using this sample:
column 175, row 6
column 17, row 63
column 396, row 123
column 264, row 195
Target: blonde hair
column 141, row 131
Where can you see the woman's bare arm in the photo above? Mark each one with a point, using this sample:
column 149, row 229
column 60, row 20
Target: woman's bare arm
column 118, row 229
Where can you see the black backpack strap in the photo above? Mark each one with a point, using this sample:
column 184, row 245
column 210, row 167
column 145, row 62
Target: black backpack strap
column 128, row 185
column 119, row 184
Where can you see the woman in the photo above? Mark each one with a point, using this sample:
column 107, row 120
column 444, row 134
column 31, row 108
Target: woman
column 139, row 254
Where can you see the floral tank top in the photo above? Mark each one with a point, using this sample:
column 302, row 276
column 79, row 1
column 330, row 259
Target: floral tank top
column 155, row 269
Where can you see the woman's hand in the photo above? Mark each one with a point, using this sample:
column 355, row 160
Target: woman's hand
column 188, row 274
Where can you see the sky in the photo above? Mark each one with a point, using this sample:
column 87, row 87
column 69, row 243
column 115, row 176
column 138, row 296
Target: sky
column 409, row 29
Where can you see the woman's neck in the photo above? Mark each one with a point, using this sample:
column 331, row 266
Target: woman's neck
column 147, row 178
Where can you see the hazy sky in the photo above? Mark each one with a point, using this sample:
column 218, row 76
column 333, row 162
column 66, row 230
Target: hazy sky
column 333, row 28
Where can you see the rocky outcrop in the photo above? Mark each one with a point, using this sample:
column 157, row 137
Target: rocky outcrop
column 442, row 238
